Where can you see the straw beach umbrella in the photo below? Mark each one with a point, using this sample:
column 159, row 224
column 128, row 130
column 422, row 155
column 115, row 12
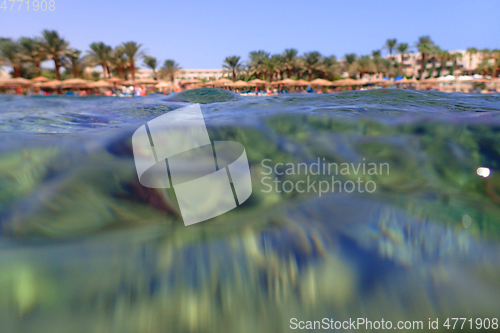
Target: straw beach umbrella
column 238, row 84
column 321, row 83
column 286, row 82
column 193, row 81
column 346, row 82
column 76, row 82
column 164, row 84
column 147, row 82
column 301, row 82
column 40, row 79
column 217, row 83
column 258, row 82
column 101, row 84
column 18, row 81
column 115, row 79
column 129, row 83
column 52, row 84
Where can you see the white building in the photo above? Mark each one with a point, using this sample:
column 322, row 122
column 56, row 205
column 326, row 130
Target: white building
column 412, row 63
column 199, row 74
column 182, row 74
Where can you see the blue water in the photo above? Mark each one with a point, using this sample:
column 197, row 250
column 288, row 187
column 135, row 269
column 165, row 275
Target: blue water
column 85, row 248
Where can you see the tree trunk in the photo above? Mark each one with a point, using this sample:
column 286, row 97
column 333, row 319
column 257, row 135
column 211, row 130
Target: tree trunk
column 75, row 71
column 120, row 72
column 422, row 66
column 234, row 75
column 38, row 70
column 56, row 64
column 289, row 73
column 132, row 69
column 17, row 71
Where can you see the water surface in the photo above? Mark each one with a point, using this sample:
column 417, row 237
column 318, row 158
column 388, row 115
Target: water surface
column 85, row 248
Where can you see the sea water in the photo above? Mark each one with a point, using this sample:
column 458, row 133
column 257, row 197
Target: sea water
column 85, row 248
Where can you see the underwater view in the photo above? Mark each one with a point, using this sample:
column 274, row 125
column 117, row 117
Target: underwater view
column 408, row 230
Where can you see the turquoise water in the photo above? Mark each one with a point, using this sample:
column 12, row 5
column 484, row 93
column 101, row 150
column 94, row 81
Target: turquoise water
column 85, row 248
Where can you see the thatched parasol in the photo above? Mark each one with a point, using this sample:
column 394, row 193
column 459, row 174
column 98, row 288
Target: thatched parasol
column 101, row 84
column 286, row 82
column 346, row 82
column 301, row 82
column 52, row 84
column 147, row 82
column 18, row 81
column 238, row 84
column 258, row 82
column 164, row 84
column 76, row 82
column 115, row 79
column 40, row 79
column 129, row 83
column 321, row 83
column 218, row 83
column 193, row 81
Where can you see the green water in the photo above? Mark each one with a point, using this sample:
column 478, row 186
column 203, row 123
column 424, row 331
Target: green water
column 86, row 248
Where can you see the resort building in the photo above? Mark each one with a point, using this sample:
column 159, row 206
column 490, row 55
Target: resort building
column 412, row 63
column 199, row 74
column 182, row 74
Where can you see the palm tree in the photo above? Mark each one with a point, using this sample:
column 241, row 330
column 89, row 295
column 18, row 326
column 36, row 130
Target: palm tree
column 455, row 56
column 75, row 65
column 330, row 67
column 381, row 65
column 402, row 49
column 232, row 64
column 290, row 61
column 364, row 65
column 256, row 64
column 100, row 54
column 433, row 56
column 56, row 48
column 496, row 57
column 133, row 52
column 443, row 57
column 119, row 61
column 269, row 65
column 424, row 45
column 349, row 60
column 311, row 61
column 471, row 51
column 169, row 69
column 485, row 54
column 485, row 67
column 32, row 51
column 390, row 44
column 151, row 63
column 280, row 66
column 10, row 52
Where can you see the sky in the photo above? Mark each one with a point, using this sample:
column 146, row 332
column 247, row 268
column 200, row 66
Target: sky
column 200, row 34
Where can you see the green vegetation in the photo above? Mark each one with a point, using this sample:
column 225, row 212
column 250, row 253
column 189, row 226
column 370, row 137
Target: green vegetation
column 311, row 65
column 25, row 56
